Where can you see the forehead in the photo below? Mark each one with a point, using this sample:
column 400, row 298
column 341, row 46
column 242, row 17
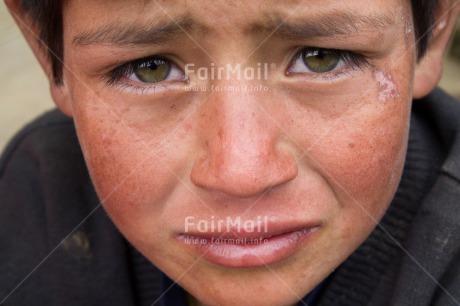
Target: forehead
column 231, row 17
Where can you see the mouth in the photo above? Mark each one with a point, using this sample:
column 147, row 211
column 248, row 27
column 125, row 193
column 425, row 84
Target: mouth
column 248, row 249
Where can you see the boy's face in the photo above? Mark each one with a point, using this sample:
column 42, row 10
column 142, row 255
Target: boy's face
column 310, row 150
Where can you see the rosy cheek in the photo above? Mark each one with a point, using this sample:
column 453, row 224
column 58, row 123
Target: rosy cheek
column 127, row 170
column 362, row 157
column 364, row 171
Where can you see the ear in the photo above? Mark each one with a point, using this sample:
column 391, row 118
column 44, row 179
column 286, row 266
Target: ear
column 31, row 33
column 428, row 71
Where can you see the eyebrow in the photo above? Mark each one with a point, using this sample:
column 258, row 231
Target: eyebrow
column 325, row 25
column 136, row 34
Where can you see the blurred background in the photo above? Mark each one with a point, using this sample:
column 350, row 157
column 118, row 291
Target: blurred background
column 24, row 92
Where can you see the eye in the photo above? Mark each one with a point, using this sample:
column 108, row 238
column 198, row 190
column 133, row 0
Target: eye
column 321, row 61
column 149, row 71
column 152, row 71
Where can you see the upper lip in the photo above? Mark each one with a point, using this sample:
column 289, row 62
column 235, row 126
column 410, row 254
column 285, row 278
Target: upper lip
column 273, row 229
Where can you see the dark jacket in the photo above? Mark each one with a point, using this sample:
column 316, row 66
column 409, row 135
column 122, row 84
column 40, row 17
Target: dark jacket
column 58, row 247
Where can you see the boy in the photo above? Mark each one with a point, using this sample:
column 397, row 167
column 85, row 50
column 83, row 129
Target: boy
column 257, row 153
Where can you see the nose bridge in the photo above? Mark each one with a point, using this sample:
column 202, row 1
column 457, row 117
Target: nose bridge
column 241, row 155
column 243, row 137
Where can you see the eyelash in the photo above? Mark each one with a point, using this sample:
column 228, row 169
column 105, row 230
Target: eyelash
column 351, row 60
column 116, row 76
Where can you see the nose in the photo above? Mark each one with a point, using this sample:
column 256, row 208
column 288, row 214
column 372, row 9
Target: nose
column 242, row 153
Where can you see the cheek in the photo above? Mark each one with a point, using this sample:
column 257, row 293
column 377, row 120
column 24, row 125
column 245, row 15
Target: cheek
column 368, row 163
column 360, row 151
column 364, row 164
column 135, row 167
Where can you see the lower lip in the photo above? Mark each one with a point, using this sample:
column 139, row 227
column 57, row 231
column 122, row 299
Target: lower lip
column 245, row 253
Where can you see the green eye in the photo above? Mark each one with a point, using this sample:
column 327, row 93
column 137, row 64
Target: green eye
column 320, row 61
column 152, row 71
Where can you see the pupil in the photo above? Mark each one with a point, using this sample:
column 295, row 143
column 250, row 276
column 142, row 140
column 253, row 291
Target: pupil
column 320, row 61
column 153, row 66
column 153, row 71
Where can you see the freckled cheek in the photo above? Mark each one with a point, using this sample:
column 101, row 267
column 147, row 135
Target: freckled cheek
column 133, row 171
column 363, row 171
column 364, row 168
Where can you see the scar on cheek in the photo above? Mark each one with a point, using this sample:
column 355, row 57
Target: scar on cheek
column 387, row 88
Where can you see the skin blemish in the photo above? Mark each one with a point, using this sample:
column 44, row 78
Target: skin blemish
column 387, row 88
column 442, row 24
column 408, row 31
column 407, row 27
column 409, row 34
column 220, row 134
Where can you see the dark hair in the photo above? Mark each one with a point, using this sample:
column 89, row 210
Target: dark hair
column 48, row 16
